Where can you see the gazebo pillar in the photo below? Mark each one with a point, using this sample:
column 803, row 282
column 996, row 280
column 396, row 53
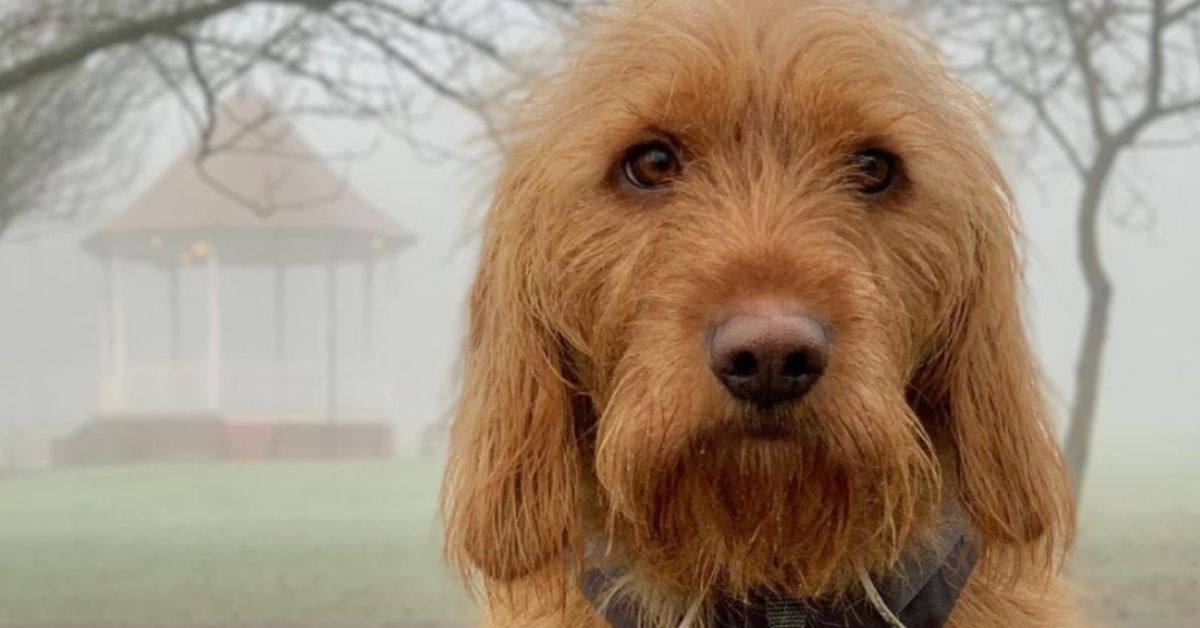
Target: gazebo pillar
column 369, row 351
column 368, row 308
column 213, row 354
column 392, row 337
column 331, row 339
column 114, row 349
column 280, row 311
column 176, row 335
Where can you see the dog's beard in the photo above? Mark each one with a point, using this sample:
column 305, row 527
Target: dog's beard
column 704, row 493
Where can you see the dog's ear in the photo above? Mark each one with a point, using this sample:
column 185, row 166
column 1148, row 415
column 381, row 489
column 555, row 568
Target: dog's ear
column 510, row 487
column 987, row 393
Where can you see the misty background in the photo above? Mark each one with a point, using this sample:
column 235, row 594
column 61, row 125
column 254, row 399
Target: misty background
column 190, row 538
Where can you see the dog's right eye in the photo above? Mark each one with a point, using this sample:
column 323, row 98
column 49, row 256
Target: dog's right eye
column 875, row 171
column 651, row 165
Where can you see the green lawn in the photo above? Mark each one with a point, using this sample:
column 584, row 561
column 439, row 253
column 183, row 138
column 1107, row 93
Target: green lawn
column 322, row 544
column 1137, row 557
column 355, row 545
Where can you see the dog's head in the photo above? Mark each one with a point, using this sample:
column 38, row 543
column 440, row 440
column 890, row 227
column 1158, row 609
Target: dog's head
column 747, row 305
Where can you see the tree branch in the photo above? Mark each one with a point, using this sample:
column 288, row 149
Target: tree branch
column 1181, row 12
column 1081, row 51
column 1037, row 102
column 128, row 32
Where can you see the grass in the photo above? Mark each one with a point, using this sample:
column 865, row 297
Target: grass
column 322, row 544
column 1137, row 557
column 355, row 545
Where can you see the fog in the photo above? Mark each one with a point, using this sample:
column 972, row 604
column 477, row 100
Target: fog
column 50, row 322
column 396, row 354
column 53, row 330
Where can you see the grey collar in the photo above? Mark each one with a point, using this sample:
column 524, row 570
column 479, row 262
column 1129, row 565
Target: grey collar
column 920, row 592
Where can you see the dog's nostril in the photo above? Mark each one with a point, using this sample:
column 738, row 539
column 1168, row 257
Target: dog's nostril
column 795, row 364
column 768, row 359
column 744, row 365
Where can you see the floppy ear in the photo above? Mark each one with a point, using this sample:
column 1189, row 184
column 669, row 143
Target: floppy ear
column 510, row 486
column 1010, row 471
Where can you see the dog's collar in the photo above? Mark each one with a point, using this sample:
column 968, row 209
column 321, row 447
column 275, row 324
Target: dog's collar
column 920, row 592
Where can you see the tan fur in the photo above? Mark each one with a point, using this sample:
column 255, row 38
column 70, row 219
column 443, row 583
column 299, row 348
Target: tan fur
column 590, row 427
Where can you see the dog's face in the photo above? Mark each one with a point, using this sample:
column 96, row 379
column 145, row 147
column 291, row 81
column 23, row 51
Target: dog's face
column 748, row 290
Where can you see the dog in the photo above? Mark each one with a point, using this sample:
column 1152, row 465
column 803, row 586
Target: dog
column 745, row 346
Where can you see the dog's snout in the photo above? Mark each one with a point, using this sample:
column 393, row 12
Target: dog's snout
column 768, row 360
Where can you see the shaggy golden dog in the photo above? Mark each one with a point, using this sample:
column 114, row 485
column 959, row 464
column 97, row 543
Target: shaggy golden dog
column 745, row 345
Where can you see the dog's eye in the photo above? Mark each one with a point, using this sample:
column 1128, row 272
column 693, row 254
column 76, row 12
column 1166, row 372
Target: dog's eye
column 874, row 171
column 651, row 165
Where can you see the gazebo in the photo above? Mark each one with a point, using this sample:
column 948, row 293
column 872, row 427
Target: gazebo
column 267, row 201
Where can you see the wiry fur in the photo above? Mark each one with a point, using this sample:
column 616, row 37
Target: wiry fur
column 590, row 427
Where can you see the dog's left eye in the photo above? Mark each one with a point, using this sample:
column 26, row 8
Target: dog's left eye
column 875, row 171
column 651, row 165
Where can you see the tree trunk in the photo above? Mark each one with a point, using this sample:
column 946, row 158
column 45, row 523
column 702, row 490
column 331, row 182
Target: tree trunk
column 1100, row 293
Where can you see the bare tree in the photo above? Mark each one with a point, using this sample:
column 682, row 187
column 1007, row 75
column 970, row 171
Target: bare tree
column 389, row 61
column 52, row 135
column 1096, row 78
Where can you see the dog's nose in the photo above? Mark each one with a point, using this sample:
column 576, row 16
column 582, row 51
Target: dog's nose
column 768, row 360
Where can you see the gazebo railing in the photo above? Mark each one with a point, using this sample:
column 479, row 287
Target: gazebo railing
column 293, row 390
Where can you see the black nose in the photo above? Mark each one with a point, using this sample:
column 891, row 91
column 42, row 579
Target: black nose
column 768, row 359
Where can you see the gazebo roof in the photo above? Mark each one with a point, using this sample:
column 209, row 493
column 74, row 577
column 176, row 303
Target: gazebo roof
column 268, row 198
